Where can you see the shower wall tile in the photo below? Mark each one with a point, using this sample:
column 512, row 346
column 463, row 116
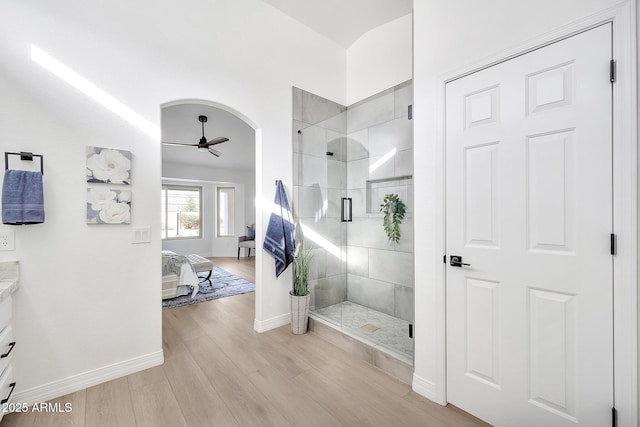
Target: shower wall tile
column 333, row 202
column 404, row 297
column 380, row 168
column 297, row 169
column 371, row 293
column 377, row 110
column 391, row 266
column 312, row 289
column 358, row 145
column 336, row 173
column 406, row 235
column 336, row 144
column 318, row 264
column 316, row 109
column 358, row 259
column 396, row 134
column 337, row 123
column 403, row 98
column 330, row 290
column 403, row 162
column 326, row 233
column 358, row 202
column 357, row 174
column 313, row 170
column 295, row 127
column 297, row 103
column 368, row 232
column 336, row 262
column 308, row 202
column 333, row 231
column 312, row 141
column 310, row 228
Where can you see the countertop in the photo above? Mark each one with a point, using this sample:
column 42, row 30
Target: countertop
column 9, row 278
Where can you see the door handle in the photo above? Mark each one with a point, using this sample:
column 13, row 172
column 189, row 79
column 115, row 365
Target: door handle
column 456, row 261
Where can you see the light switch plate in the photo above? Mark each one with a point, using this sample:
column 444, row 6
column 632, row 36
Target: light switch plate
column 141, row 235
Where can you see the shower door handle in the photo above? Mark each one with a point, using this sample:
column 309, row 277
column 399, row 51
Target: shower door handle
column 456, row 261
column 346, row 209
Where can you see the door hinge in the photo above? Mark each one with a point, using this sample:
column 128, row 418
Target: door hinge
column 614, row 417
column 444, row 258
column 612, row 71
column 410, row 111
column 410, row 330
column 613, row 244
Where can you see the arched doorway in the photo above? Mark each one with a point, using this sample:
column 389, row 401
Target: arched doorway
column 227, row 179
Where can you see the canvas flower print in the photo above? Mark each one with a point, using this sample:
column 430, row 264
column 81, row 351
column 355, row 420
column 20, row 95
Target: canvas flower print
column 108, row 165
column 107, row 206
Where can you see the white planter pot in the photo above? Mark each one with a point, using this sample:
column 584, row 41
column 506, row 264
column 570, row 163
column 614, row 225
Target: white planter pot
column 299, row 313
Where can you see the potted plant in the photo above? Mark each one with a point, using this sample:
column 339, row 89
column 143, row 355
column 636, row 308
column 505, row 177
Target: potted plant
column 300, row 295
column 393, row 209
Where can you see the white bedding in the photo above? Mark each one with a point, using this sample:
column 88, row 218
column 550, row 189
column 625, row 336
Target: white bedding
column 178, row 276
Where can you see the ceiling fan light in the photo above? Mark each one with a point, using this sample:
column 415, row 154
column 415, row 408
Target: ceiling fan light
column 203, row 149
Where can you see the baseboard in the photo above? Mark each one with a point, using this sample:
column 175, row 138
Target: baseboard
column 424, row 388
column 88, row 379
column 274, row 322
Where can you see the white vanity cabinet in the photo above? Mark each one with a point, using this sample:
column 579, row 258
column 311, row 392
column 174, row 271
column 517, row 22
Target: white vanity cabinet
column 8, row 285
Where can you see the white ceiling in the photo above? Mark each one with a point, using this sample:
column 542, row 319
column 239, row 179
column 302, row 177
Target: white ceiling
column 343, row 21
column 180, row 124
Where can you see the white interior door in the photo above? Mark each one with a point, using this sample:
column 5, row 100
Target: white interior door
column 529, row 207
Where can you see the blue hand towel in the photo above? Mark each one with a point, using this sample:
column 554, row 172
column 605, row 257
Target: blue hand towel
column 22, row 197
column 279, row 239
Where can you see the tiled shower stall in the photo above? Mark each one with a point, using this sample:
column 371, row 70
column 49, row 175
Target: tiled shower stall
column 361, row 283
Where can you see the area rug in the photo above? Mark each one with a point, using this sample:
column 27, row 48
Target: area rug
column 221, row 284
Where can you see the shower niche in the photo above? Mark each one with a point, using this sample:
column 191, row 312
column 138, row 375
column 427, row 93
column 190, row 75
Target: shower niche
column 378, row 188
column 346, row 159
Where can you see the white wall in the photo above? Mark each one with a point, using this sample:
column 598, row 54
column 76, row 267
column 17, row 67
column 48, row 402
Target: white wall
column 380, row 59
column 90, row 300
column 447, row 36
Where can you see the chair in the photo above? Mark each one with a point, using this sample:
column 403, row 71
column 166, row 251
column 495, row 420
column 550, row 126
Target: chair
column 247, row 241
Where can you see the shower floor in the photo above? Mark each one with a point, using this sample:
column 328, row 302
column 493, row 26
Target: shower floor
column 379, row 328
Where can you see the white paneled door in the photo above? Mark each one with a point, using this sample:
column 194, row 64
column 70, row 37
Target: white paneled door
column 529, row 208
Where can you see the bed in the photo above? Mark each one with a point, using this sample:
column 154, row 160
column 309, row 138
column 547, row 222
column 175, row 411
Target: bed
column 180, row 274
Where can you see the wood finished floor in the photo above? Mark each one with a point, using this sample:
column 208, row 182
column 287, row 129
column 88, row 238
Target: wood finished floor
column 219, row 372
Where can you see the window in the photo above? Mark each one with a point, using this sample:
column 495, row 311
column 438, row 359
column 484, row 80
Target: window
column 181, row 210
column 226, row 211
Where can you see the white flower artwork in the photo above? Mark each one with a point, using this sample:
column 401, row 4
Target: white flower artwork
column 107, row 206
column 107, row 165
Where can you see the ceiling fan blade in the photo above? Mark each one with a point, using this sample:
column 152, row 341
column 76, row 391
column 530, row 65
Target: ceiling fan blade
column 218, row 140
column 179, row 143
column 215, row 152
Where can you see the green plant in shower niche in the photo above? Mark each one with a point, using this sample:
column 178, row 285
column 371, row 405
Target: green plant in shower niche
column 301, row 258
column 393, row 209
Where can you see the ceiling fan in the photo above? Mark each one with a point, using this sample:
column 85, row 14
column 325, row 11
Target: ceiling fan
column 203, row 144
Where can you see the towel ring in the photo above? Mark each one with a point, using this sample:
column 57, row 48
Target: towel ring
column 23, row 156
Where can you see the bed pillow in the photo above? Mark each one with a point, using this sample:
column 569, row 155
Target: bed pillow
column 251, row 233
